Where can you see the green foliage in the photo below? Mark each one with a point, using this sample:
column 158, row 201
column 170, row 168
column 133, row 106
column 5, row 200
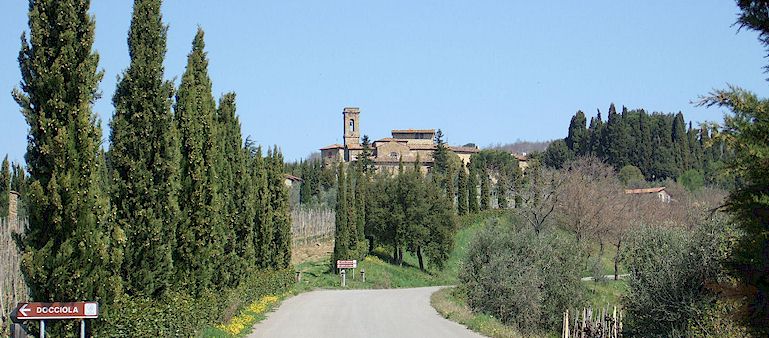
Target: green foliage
column 523, row 279
column 746, row 129
column 669, row 273
column 342, row 229
column 70, row 231
column 178, row 314
column 485, row 190
column 279, row 204
column 472, row 189
column 659, row 145
column 692, row 179
column 557, row 154
column 201, row 231
column 630, row 175
column 144, row 157
column 411, row 213
column 462, row 191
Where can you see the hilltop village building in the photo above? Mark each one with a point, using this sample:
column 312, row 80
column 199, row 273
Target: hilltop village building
column 406, row 145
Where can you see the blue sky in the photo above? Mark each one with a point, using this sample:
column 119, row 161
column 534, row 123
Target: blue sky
column 483, row 71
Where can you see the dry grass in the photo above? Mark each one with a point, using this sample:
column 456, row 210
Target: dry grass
column 451, row 306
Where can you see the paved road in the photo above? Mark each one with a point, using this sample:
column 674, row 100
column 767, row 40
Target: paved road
column 360, row 313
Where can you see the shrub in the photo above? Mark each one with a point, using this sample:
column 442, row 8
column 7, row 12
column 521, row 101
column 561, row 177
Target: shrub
column 180, row 315
column 522, row 279
column 670, row 270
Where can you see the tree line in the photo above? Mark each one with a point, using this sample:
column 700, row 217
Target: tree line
column 660, row 145
column 179, row 203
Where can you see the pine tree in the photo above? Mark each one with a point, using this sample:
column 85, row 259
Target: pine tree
column 200, row 250
column 279, row 203
column 341, row 232
column 144, row 157
column 5, row 187
column 71, row 249
column 462, row 207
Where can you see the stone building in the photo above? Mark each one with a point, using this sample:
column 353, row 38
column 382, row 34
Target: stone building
column 406, row 145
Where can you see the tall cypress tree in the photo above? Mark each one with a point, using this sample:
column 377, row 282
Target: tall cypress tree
column 144, row 157
column 5, row 187
column 341, row 233
column 680, row 144
column 577, row 139
column 71, row 249
column 485, row 189
column 472, row 189
column 200, row 249
column 462, row 191
column 263, row 219
column 279, row 203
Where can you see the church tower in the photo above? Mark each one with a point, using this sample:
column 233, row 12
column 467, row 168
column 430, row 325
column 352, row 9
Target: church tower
column 351, row 116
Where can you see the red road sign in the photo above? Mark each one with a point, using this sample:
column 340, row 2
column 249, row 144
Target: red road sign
column 346, row 264
column 46, row 311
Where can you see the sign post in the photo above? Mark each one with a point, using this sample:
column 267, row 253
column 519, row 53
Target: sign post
column 346, row 264
column 56, row 311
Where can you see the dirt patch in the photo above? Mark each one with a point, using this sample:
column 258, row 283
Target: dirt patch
column 311, row 251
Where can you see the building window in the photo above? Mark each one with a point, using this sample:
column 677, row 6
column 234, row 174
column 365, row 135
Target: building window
column 393, row 154
column 352, row 125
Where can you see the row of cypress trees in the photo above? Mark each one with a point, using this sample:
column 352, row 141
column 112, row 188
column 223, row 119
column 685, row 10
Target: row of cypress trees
column 177, row 204
column 660, row 145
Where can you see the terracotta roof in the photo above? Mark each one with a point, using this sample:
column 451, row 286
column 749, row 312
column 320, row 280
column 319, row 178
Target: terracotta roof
column 465, row 149
column 645, row 190
column 399, row 131
column 333, row 146
column 293, row 178
column 390, row 139
column 354, row 146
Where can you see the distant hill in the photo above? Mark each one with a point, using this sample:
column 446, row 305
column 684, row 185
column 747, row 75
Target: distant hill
column 520, row 147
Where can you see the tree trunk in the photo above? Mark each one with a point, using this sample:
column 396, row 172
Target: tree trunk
column 395, row 254
column 616, row 261
column 400, row 256
column 419, row 256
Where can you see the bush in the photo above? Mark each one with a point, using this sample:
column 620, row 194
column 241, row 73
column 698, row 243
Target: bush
column 670, row 270
column 522, row 279
column 180, row 315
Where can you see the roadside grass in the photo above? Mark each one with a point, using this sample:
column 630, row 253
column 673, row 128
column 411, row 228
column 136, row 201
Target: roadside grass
column 242, row 324
column 450, row 304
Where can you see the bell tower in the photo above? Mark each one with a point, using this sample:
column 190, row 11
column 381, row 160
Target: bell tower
column 351, row 117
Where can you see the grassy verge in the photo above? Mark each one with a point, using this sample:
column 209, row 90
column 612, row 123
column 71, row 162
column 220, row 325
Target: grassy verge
column 452, row 306
column 603, row 293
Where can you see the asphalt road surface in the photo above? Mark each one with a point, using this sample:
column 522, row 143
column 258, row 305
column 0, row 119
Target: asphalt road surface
column 360, row 313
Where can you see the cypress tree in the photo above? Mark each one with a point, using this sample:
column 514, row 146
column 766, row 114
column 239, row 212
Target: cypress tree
column 144, row 157
column 485, row 190
column 462, row 207
column 450, row 187
column 18, row 179
column 235, row 183
column 352, row 212
column 341, row 231
column 263, row 219
column 472, row 189
column 361, row 189
column 577, row 139
column 502, row 192
column 200, row 237
column 71, row 249
column 680, row 144
column 281, row 213
column 5, row 187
